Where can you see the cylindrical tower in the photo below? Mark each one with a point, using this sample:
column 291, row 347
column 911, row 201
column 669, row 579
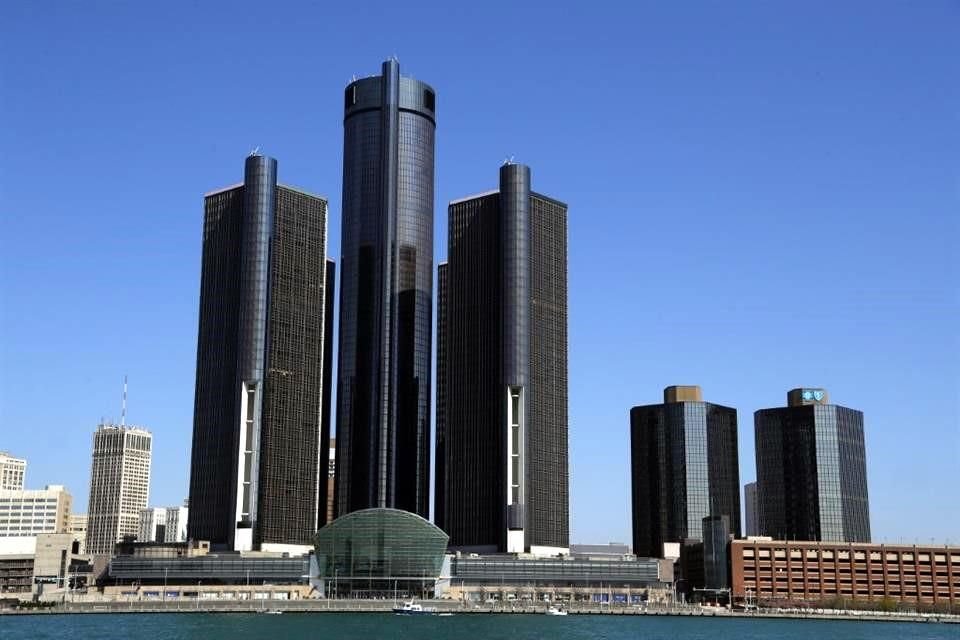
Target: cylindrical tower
column 259, row 200
column 515, row 355
column 383, row 394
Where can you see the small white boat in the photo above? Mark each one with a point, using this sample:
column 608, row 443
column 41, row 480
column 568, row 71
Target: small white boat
column 411, row 608
column 271, row 612
column 556, row 611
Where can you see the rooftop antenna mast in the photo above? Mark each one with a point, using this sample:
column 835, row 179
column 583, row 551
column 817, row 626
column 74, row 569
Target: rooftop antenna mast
column 123, row 403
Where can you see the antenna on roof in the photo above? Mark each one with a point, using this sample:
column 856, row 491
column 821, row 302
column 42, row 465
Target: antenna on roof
column 256, row 151
column 123, row 403
column 507, row 161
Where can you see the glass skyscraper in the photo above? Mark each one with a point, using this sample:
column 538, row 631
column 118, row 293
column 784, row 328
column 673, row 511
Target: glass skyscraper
column 684, row 468
column 811, row 470
column 258, row 470
column 502, row 463
column 386, row 289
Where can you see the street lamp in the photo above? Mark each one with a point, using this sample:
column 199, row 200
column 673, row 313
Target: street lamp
column 165, row 569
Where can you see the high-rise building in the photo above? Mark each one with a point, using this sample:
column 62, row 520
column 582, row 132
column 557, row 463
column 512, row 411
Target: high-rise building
column 750, row 509
column 259, row 454
column 177, row 517
column 30, row 512
column 153, row 525
column 684, row 468
column 77, row 525
column 811, row 470
column 502, row 462
column 12, row 472
column 386, row 289
column 163, row 524
column 119, row 485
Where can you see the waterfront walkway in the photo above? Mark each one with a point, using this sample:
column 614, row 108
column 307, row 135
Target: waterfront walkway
column 447, row 606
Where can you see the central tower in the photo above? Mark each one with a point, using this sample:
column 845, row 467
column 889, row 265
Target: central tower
column 383, row 390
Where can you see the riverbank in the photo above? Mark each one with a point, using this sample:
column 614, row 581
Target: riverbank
column 446, row 606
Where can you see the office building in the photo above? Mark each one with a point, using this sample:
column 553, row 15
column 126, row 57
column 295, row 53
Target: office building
column 44, row 562
column 835, row 574
column 163, row 524
column 12, row 472
column 30, row 512
column 119, row 485
column 386, row 291
column 77, row 525
column 502, row 459
column 684, row 468
column 259, row 456
column 811, row 470
column 750, row 507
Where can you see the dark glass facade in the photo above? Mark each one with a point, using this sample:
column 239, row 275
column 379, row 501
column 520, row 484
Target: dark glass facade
column 386, row 289
column 811, row 473
column 502, row 476
column 684, row 468
column 257, row 460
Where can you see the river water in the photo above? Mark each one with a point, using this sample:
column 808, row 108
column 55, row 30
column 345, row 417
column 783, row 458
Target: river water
column 352, row 626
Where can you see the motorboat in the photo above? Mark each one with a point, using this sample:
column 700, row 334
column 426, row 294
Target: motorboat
column 556, row 611
column 411, row 608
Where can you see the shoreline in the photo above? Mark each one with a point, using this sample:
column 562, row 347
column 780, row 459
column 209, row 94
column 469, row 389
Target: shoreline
column 369, row 606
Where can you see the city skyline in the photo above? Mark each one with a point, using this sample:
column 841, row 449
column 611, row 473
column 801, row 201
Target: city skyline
column 832, row 156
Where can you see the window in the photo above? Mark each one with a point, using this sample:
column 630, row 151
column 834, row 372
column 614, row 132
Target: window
column 429, row 100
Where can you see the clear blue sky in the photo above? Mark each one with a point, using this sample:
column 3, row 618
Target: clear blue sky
column 762, row 196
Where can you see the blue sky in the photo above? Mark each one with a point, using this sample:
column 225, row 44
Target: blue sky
column 762, row 196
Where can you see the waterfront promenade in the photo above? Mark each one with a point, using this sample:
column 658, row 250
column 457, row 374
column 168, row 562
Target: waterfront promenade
column 456, row 607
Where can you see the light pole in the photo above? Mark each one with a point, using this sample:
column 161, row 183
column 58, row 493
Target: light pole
column 165, row 569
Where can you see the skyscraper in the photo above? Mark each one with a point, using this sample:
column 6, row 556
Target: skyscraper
column 386, row 289
column 812, row 470
column 684, row 468
column 119, row 485
column 750, row 507
column 163, row 524
column 12, row 472
column 259, row 440
column 502, row 464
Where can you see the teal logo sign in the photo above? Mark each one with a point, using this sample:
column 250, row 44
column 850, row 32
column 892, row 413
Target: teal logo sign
column 818, row 395
column 812, row 395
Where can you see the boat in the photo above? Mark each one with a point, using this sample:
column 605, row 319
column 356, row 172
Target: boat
column 411, row 608
column 271, row 612
column 556, row 611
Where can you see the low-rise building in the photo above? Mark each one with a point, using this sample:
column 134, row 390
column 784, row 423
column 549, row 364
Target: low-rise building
column 776, row 571
column 77, row 525
column 519, row 577
column 35, row 564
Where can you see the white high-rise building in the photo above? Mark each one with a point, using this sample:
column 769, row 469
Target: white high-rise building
column 163, row 524
column 12, row 472
column 177, row 523
column 119, row 485
column 29, row 512
column 153, row 525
